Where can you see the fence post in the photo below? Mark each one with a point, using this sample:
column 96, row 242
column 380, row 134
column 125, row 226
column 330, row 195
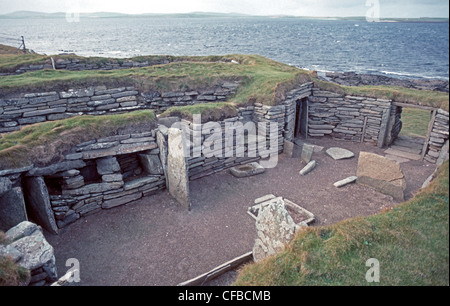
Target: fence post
column 23, row 43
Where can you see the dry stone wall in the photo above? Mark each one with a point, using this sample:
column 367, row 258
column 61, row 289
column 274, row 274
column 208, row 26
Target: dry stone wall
column 75, row 64
column 26, row 109
column 438, row 144
column 105, row 173
column 358, row 119
column 96, row 175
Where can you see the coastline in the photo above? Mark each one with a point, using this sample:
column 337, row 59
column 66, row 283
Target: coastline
column 362, row 79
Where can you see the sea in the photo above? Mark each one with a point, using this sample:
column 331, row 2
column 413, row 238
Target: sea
column 396, row 49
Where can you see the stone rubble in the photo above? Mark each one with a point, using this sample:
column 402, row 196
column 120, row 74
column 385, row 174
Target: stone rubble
column 30, row 250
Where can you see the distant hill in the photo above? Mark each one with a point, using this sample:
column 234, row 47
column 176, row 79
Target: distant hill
column 40, row 15
column 36, row 15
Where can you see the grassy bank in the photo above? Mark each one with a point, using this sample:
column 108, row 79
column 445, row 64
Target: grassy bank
column 263, row 80
column 410, row 241
column 46, row 142
column 415, row 122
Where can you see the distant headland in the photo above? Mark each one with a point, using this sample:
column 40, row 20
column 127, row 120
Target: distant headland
column 58, row 15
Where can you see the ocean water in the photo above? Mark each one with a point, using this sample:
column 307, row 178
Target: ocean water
column 419, row 50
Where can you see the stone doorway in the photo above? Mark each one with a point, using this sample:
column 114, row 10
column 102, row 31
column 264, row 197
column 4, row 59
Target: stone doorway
column 411, row 133
column 301, row 123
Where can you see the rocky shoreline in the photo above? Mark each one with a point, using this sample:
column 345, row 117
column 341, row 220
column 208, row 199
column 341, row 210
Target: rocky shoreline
column 354, row 79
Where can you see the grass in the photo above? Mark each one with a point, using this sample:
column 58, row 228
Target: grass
column 45, row 143
column 208, row 111
column 411, row 242
column 10, row 273
column 415, row 122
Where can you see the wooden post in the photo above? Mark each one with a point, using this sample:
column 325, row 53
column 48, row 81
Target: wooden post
column 430, row 129
column 23, row 44
column 384, row 126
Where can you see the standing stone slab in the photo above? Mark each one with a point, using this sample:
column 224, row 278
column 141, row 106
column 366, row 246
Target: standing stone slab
column 307, row 153
column 12, row 209
column 161, row 140
column 177, row 171
column 290, row 148
column 38, row 199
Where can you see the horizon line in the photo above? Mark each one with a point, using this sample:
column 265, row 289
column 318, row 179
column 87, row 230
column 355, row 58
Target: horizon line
column 220, row 13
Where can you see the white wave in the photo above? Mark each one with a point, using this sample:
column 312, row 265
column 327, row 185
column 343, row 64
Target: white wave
column 411, row 75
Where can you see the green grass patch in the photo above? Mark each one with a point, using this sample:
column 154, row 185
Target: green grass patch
column 415, row 122
column 410, row 241
column 208, row 111
column 45, row 143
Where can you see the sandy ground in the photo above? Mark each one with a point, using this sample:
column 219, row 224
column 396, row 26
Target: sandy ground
column 156, row 242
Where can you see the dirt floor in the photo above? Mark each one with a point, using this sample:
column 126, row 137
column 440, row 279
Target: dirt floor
column 156, row 242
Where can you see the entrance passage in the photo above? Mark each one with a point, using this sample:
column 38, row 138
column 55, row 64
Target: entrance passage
column 301, row 123
column 412, row 139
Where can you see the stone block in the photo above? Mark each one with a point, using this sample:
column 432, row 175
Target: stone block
column 5, row 185
column 60, row 167
column 151, row 164
column 345, row 182
column 140, row 182
column 121, row 201
column 308, row 168
column 107, row 165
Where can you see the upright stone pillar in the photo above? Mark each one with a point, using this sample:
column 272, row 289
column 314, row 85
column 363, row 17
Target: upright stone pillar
column 177, row 171
column 38, row 200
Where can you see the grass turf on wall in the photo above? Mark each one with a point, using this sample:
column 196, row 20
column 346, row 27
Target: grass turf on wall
column 44, row 143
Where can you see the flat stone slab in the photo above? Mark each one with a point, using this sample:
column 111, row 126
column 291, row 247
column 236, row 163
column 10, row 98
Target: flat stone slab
column 344, row 182
column 265, row 198
column 251, row 169
column 381, row 174
column 340, row 153
column 398, row 159
column 403, row 154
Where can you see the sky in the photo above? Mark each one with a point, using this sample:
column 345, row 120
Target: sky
column 322, row 8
